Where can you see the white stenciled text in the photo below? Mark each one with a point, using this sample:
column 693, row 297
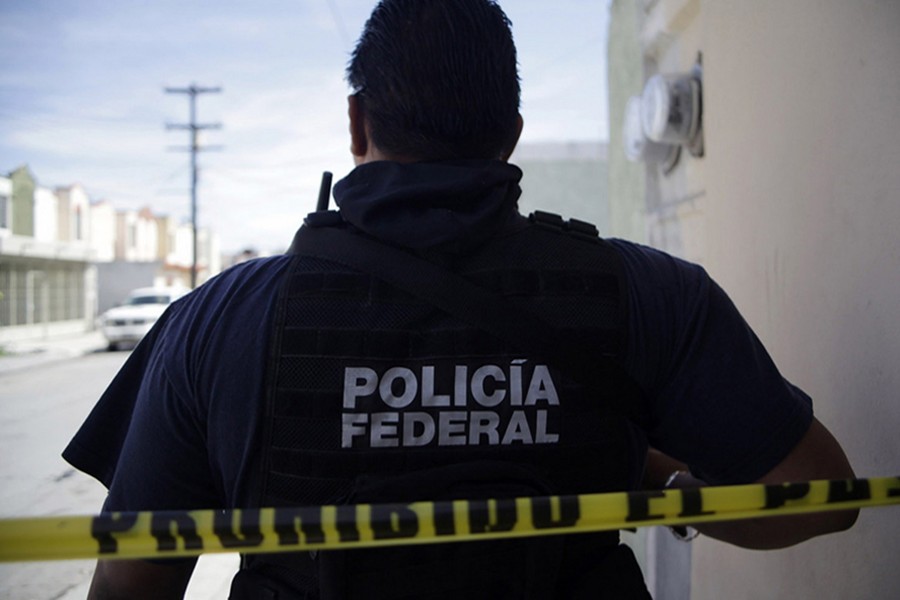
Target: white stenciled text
column 472, row 406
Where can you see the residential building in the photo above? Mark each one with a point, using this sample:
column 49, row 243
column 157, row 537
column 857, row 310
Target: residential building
column 166, row 230
column 103, row 231
column 74, row 210
column 47, row 285
column 793, row 208
column 46, row 215
column 65, row 259
column 136, row 236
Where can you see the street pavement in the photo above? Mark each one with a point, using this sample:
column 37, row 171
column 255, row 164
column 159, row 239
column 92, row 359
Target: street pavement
column 27, row 354
column 213, row 574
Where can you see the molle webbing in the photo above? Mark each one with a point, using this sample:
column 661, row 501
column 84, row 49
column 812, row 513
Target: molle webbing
column 368, row 379
column 335, row 318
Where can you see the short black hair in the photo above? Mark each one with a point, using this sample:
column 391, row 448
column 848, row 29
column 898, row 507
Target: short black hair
column 438, row 79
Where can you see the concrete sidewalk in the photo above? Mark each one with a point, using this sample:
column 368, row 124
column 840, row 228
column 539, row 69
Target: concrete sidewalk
column 212, row 577
column 26, row 354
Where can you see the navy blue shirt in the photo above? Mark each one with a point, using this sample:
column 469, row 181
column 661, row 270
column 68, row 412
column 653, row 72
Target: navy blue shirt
column 179, row 426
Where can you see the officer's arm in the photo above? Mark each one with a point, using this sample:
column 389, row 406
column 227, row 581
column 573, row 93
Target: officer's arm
column 817, row 456
column 140, row 580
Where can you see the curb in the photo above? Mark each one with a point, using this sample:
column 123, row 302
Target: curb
column 23, row 355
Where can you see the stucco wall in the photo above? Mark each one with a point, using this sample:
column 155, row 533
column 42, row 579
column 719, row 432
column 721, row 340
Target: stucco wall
column 626, row 79
column 794, row 209
column 803, row 206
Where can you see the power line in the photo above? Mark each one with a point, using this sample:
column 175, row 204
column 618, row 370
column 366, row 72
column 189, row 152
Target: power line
column 193, row 91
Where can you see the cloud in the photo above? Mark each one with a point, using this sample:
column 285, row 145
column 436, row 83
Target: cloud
column 81, row 98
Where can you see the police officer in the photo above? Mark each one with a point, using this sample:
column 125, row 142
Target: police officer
column 323, row 376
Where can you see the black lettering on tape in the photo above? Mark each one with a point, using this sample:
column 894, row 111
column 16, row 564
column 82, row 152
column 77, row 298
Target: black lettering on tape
column 894, row 491
column 248, row 534
column 542, row 512
column 346, row 524
column 393, row 521
column 104, row 526
column 480, row 515
column 444, row 523
column 290, row 522
column 639, row 505
column 692, row 504
column 845, row 491
column 161, row 524
column 778, row 495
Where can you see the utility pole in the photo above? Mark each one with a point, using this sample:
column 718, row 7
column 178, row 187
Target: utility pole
column 193, row 91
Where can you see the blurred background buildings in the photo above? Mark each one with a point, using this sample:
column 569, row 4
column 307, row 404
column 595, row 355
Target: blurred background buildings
column 64, row 258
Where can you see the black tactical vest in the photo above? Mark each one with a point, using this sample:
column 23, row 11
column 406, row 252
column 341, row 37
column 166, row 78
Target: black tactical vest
column 374, row 395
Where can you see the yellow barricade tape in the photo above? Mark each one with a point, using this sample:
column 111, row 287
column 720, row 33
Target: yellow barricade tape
column 166, row 534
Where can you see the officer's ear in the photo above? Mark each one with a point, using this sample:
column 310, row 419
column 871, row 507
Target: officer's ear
column 520, row 123
column 359, row 138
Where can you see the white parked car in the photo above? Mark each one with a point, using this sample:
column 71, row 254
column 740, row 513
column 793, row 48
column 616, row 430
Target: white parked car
column 130, row 321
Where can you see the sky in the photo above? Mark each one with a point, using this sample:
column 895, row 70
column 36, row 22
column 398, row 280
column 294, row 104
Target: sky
column 82, row 99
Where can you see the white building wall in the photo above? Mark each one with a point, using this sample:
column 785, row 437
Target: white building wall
column 180, row 258
column 126, row 235
column 166, row 233
column 74, row 214
column 147, row 237
column 213, row 254
column 81, row 214
column 103, row 231
column 182, row 255
column 137, row 237
column 794, row 210
column 804, row 207
column 46, row 215
column 5, row 206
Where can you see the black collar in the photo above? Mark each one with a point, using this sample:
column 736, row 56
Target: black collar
column 450, row 206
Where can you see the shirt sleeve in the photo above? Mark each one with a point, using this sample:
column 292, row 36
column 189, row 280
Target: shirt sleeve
column 176, row 429
column 717, row 400
column 96, row 446
column 164, row 463
column 144, row 440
